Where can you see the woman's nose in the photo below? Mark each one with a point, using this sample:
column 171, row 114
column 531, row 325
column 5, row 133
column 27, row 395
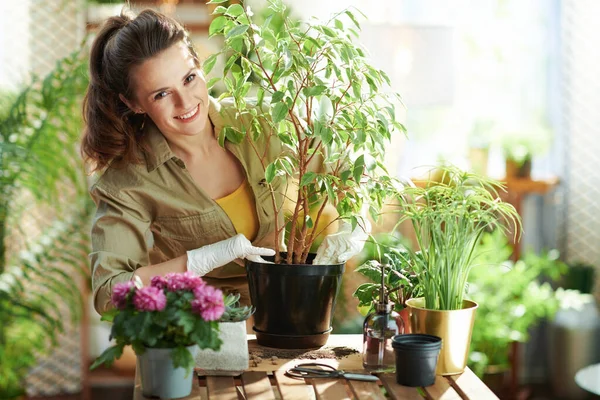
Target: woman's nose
column 184, row 100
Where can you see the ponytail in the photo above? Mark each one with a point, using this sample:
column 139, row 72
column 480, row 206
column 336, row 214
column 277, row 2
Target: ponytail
column 113, row 132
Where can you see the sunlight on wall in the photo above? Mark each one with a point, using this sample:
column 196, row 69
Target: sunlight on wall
column 14, row 35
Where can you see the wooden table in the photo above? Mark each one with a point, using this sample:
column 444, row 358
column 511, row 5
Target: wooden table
column 267, row 380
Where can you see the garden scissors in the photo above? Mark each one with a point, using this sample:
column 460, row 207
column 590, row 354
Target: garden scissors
column 325, row 371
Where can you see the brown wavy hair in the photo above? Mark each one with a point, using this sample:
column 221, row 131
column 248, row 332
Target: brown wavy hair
column 113, row 133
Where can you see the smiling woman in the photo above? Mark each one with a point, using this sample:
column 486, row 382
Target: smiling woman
column 154, row 136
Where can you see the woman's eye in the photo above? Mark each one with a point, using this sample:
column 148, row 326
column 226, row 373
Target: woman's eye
column 190, row 78
column 160, row 95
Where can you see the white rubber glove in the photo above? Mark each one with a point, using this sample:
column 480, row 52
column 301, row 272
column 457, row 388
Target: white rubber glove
column 203, row 260
column 345, row 243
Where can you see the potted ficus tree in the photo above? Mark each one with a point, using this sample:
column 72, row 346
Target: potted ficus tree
column 448, row 217
column 323, row 105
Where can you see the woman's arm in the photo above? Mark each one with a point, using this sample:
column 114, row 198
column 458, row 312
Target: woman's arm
column 146, row 273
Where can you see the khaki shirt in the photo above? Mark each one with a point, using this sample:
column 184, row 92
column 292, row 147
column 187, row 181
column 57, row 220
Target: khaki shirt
column 152, row 212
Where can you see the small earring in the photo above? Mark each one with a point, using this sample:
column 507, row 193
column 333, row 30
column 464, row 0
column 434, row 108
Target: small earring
column 140, row 111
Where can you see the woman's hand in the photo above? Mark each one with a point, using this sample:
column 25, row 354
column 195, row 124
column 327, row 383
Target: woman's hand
column 344, row 244
column 203, row 260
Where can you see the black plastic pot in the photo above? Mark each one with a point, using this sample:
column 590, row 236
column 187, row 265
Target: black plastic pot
column 294, row 302
column 416, row 358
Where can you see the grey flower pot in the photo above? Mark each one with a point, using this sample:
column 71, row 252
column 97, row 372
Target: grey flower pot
column 159, row 378
column 232, row 359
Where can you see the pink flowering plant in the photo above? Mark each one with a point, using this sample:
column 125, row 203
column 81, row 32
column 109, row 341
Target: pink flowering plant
column 175, row 311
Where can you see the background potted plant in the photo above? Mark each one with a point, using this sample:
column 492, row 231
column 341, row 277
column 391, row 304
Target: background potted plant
column 44, row 214
column 233, row 357
column 448, row 219
column 322, row 103
column 512, row 298
column 165, row 323
column 520, row 145
column 401, row 283
column 479, row 140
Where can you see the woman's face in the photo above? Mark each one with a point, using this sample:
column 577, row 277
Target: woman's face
column 170, row 89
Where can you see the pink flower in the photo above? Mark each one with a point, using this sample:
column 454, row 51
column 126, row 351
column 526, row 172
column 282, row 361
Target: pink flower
column 120, row 292
column 208, row 302
column 158, row 282
column 149, row 298
column 183, row 281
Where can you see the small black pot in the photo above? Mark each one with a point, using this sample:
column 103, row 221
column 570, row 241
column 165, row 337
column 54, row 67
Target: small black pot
column 294, row 302
column 416, row 358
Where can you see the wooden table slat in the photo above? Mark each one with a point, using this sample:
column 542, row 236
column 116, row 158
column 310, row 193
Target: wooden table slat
column 366, row 390
column 471, row 387
column 221, row 388
column 331, row 389
column 257, row 386
column 441, row 390
column 398, row 392
column 293, row 389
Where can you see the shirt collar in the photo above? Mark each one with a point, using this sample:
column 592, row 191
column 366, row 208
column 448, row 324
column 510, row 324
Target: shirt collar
column 160, row 152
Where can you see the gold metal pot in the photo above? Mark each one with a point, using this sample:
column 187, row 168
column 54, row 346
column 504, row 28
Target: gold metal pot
column 453, row 326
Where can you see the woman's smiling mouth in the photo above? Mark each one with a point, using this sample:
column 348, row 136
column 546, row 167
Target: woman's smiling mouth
column 189, row 115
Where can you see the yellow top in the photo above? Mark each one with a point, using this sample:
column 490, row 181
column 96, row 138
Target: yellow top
column 241, row 209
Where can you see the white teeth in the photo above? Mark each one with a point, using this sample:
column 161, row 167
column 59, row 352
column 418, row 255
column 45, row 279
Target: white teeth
column 188, row 115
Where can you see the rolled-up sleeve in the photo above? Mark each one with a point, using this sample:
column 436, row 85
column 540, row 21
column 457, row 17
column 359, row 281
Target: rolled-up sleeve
column 120, row 240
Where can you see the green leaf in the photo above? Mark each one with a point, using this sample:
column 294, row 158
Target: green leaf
column 229, row 65
column 237, row 43
column 325, row 109
column 287, row 60
column 256, row 130
column 308, row 221
column 367, row 293
column 212, row 82
column 307, row 178
column 345, row 175
column 246, row 68
column 277, row 96
column 108, row 356
column 237, row 31
column 186, row 320
column 356, row 89
column 219, row 10
column 285, row 138
column 109, row 315
column 371, row 269
column 217, row 25
column 353, row 18
column 314, row 90
column 182, row 358
column 287, row 166
column 260, row 95
column 221, row 138
column 209, row 63
column 234, row 10
column 279, row 112
column 216, row 1
column 270, row 172
column 233, row 135
column 359, row 168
